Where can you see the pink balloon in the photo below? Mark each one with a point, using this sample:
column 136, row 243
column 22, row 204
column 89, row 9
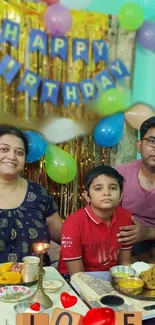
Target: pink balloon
column 137, row 114
column 51, row 2
column 58, row 20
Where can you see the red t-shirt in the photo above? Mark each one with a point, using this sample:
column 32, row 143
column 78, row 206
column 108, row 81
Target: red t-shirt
column 86, row 236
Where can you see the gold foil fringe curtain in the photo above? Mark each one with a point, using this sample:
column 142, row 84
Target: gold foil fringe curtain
column 92, row 26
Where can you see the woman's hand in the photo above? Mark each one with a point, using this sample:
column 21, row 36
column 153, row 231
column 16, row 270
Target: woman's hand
column 132, row 234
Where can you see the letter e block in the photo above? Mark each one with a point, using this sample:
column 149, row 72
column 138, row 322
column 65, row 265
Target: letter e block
column 128, row 318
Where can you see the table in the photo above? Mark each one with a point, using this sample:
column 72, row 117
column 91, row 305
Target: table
column 149, row 320
column 8, row 315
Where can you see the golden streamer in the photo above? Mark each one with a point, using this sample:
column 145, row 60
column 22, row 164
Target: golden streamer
column 92, row 26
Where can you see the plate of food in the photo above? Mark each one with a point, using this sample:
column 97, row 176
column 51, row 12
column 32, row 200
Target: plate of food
column 140, row 285
column 11, row 273
column 15, row 293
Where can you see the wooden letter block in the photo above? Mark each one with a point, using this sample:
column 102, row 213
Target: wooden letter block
column 32, row 319
column 128, row 318
column 65, row 317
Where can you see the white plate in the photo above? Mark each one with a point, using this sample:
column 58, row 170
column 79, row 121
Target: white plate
column 15, row 293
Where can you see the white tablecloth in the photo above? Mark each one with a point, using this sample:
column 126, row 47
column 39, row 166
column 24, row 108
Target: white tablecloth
column 8, row 315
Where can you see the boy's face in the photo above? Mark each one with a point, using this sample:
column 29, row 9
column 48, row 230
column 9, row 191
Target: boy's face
column 104, row 193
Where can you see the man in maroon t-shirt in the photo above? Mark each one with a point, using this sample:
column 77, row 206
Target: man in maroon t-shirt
column 89, row 236
column 139, row 196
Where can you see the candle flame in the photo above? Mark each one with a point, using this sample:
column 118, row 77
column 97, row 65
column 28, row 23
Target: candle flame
column 40, row 247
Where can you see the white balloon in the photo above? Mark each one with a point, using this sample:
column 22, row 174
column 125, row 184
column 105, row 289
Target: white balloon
column 76, row 4
column 59, row 130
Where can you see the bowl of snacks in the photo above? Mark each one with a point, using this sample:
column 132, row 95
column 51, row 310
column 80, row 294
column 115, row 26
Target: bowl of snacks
column 53, row 286
column 119, row 272
column 132, row 286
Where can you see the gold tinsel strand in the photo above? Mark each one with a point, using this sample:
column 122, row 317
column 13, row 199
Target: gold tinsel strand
column 92, row 26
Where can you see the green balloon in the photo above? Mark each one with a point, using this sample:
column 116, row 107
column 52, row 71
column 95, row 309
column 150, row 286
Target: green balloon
column 131, row 16
column 60, row 165
column 113, row 101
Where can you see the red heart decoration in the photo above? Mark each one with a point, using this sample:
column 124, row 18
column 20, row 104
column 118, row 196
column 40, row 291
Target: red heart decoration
column 35, row 306
column 67, row 300
column 99, row 316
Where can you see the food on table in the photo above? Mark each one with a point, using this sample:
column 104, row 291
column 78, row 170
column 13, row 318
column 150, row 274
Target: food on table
column 131, row 285
column 149, row 278
column 13, row 296
column 15, row 293
column 10, row 278
column 16, row 267
column 122, row 274
column 52, row 286
column 140, row 267
column 11, row 273
column 5, row 267
column 119, row 272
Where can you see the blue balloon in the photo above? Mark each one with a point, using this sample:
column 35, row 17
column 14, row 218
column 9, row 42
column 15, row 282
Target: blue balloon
column 37, row 146
column 109, row 130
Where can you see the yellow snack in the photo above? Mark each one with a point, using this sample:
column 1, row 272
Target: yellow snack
column 11, row 278
column 121, row 274
column 5, row 267
column 149, row 278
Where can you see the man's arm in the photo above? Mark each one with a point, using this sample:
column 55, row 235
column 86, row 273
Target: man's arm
column 125, row 257
column 74, row 266
column 136, row 233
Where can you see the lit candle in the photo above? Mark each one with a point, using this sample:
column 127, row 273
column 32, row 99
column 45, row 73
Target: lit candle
column 40, row 247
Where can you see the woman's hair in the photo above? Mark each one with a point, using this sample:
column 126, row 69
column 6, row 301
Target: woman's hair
column 12, row 130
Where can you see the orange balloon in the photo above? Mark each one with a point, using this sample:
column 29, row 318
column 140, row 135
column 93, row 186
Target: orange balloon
column 138, row 114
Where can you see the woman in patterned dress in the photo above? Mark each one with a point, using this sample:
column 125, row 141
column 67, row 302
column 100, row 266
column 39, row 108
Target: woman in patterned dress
column 28, row 212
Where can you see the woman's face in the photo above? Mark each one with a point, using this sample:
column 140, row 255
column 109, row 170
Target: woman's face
column 12, row 155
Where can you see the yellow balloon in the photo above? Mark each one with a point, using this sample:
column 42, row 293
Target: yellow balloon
column 138, row 114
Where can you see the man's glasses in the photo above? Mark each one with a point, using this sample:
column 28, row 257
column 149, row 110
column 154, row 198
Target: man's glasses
column 150, row 142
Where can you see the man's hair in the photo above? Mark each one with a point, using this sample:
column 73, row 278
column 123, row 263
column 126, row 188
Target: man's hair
column 12, row 130
column 146, row 125
column 103, row 170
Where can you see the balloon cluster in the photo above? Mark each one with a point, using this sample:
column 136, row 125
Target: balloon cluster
column 109, row 130
column 131, row 17
column 115, row 104
column 59, row 164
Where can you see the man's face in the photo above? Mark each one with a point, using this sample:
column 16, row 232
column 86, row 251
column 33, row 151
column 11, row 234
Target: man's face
column 146, row 147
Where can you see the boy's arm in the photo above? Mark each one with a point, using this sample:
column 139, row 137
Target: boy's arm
column 71, row 246
column 75, row 266
column 125, row 257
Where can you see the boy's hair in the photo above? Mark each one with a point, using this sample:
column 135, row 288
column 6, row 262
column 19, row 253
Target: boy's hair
column 103, row 170
column 146, row 125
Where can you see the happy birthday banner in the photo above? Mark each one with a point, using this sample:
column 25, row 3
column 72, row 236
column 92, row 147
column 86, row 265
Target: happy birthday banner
column 38, row 41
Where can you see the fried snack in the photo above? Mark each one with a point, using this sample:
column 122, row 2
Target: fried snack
column 5, row 267
column 149, row 278
column 10, row 278
column 16, row 267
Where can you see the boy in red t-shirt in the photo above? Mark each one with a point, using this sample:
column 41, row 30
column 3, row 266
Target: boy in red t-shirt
column 89, row 235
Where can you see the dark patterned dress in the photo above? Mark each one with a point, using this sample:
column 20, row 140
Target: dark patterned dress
column 25, row 225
